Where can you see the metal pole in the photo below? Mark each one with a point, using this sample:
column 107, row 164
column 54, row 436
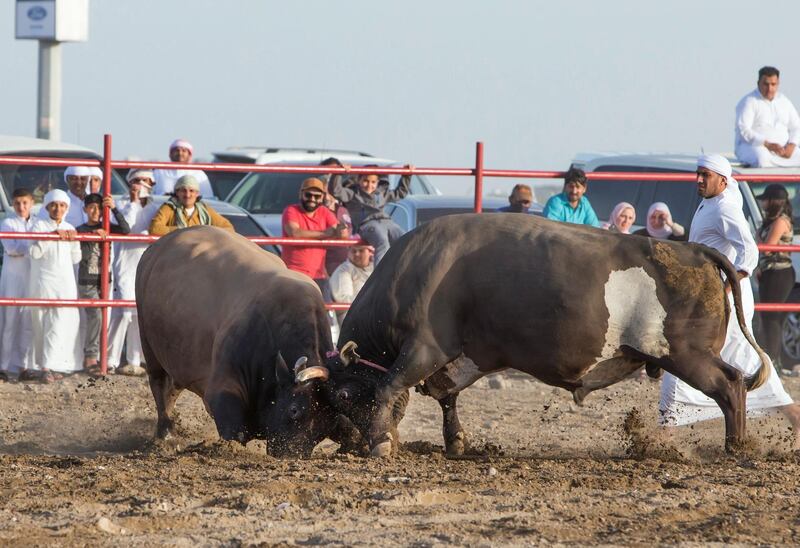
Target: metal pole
column 105, row 255
column 48, row 113
column 478, row 177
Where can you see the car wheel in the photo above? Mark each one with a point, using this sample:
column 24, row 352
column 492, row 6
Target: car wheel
column 790, row 339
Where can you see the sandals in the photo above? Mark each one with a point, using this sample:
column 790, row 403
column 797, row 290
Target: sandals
column 93, row 369
column 29, row 375
column 49, row 377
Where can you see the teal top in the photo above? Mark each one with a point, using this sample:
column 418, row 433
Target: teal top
column 557, row 208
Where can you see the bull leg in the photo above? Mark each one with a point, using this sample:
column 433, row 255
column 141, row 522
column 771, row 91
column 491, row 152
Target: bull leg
column 164, row 391
column 416, row 362
column 454, row 437
column 165, row 394
column 720, row 382
column 605, row 374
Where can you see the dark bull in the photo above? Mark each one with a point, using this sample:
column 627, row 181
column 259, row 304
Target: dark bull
column 576, row 307
column 217, row 315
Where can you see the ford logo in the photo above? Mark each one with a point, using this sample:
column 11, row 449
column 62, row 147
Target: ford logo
column 37, row 13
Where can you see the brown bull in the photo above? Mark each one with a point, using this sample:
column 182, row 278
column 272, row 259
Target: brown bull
column 217, row 316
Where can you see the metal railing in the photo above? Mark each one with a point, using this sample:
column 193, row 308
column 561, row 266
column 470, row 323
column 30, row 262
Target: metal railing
column 478, row 172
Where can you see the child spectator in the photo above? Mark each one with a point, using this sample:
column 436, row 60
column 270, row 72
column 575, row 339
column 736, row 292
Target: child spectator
column 348, row 279
column 55, row 329
column 366, row 201
column 15, row 321
column 89, row 271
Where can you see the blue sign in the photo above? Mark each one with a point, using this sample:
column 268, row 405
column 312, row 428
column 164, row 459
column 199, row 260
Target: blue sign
column 37, row 13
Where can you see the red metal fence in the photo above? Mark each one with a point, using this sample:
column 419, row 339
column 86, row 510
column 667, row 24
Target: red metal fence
column 478, row 172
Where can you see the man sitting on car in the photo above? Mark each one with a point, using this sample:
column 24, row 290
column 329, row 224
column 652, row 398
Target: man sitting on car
column 310, row 219
column 571, row 206
column 180, row 150
column 365, row 201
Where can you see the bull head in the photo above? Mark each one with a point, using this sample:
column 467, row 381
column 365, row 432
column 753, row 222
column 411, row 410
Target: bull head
column 348, row 353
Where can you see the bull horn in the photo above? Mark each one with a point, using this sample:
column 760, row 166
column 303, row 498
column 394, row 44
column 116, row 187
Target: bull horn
column 348, row 353
column 300, row 364
column 313, row 372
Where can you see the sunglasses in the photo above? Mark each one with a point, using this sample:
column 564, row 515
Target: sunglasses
column 312, row 196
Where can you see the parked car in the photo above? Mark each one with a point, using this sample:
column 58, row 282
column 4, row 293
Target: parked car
column 266, row 195
column 223, row 182
column 413, row 211
column 683, row 200
column 41, row 179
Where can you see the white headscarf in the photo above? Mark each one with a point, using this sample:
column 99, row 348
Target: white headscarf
column 96, row 172
column 78, row 171
column 619, row 208
column 56, row 195
column 665, row 231
column 719, row 164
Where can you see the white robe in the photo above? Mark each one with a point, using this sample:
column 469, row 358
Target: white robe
column 124, row 326
column 759, row 120
column 165, row 181
column 15, row 321
column 55, row 330
column 720, row 223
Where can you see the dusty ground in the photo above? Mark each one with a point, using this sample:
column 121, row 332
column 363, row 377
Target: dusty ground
column 76, row 468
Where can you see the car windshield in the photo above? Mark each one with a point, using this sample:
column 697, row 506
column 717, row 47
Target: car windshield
column 42, row 179
column 264, row 193
column 681, row 197
column 794, row 198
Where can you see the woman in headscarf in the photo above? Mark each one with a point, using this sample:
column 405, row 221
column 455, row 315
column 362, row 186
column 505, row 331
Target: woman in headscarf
column 622, row 218
column 55, row 329
column 775, row 272
column 660, row 224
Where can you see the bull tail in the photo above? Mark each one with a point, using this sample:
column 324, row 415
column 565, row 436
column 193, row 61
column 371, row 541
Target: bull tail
column 722, row 262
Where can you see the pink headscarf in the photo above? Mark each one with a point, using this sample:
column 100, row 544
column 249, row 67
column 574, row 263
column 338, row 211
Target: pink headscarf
column 664, row 232
column 619, row 208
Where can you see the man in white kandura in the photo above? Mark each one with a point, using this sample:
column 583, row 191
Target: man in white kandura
column 55, row 329
column 15, row 321
column 767, row 125
column 350, row 276
column 719, row 223
column 180, row 150
column 139, row 210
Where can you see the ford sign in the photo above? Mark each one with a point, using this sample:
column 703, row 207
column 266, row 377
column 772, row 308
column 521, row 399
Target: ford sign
column 37, row 13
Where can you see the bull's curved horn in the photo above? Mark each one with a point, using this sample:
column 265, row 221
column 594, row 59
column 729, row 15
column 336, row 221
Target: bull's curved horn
column 313, row 372
column 348, row 353
column 300, row 364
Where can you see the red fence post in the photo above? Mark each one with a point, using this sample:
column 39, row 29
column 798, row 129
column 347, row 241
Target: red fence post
column 105, row 255
column 478, row 177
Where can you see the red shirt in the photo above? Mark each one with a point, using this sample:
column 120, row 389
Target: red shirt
column 307, row 259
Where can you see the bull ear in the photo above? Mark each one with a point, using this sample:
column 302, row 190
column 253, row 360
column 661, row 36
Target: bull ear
column 282, row 373
column 348, row 353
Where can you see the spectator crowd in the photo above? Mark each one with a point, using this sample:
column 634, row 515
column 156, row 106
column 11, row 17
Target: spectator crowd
column 46, row 343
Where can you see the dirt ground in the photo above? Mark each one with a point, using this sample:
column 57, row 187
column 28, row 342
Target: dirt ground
column 77, row 468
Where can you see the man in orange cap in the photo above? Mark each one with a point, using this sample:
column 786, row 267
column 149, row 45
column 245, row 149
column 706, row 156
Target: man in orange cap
column 310, row 221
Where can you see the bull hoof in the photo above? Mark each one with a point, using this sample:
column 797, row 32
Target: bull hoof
column 578, row 396
column 383, row 449
column 457, row 445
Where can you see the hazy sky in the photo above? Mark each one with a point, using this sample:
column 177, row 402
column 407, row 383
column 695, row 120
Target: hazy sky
column 417, row 81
